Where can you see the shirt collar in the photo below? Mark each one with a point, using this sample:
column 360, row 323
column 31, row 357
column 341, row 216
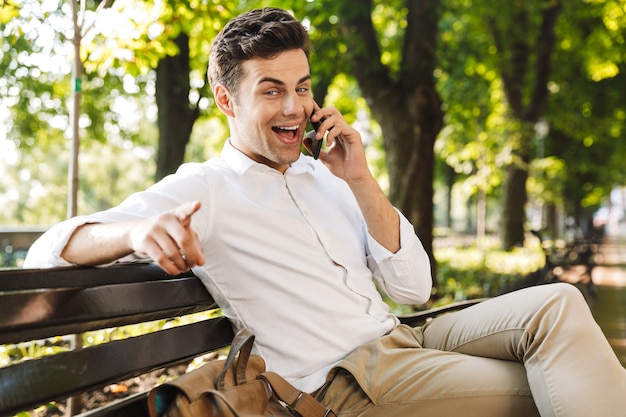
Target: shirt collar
column 241, row 163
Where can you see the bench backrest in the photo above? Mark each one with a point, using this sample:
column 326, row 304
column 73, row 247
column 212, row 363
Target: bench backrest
column 38, row 304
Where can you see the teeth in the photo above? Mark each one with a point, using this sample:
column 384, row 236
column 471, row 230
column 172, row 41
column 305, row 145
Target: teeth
column 288, row 128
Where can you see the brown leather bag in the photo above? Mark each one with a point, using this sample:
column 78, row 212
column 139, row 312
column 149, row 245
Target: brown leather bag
column 237, row 386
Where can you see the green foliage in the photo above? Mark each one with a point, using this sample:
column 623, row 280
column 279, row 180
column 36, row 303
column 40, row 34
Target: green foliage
column 587, row 108
column 8, row 11
column 35, row 89
column 472, row 272
column 585, row 111
column 467, row 271
column 344, row 94
column 545, row 184
column 32, row 350
column 33, row 190
column 477, row 125
column 389, row 19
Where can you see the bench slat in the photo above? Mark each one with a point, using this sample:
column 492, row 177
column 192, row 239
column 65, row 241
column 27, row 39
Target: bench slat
column 132, row 406
column 33, row 315
column 420, row 317
column 65, row 374
column 81, row 277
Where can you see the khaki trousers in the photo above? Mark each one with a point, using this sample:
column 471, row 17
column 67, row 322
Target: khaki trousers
column 536, row 351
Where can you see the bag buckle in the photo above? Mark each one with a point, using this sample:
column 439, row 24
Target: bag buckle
column 292, row 408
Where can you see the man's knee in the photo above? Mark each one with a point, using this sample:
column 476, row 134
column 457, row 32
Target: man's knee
column 566, row 290
column 566, row 295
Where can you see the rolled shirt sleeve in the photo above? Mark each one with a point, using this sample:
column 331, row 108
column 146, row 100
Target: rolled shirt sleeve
column 405, row 276
column 46, row 251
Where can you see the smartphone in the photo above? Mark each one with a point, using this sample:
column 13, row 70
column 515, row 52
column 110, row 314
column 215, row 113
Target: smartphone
column 316, row 145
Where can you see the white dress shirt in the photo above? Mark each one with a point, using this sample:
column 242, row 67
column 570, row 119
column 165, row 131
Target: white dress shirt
column 286, row 255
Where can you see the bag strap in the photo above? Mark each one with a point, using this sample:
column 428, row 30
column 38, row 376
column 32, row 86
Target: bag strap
column 242, row 345
column 301, row 402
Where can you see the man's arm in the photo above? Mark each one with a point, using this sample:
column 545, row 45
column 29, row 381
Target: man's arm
column 167, row 239
column 382, row 219
column 96, row 244
column 346, row 160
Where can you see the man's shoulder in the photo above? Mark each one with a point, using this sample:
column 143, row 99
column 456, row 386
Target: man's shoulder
column 210, row 167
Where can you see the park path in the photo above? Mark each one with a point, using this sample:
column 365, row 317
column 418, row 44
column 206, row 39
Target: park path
column 609, row 305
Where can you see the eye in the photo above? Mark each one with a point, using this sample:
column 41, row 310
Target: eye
column 302, row 90
column 271, row 93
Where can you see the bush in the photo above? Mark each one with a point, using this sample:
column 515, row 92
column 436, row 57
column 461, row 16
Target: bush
column 470, row 272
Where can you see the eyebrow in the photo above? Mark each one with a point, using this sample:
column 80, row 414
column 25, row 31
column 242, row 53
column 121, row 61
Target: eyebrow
column 279, row 82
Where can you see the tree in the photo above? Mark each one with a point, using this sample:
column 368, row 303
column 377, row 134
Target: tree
column 182, row 88
column 35, row 90
column 175, row 47
column 578, row 97
column 475, row 121
column 176, row 116
column 587, row 111
column 524, row 38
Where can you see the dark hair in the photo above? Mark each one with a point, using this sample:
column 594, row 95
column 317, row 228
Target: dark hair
column 261, row 33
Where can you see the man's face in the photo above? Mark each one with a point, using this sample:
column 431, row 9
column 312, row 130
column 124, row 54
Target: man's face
column 271, row 108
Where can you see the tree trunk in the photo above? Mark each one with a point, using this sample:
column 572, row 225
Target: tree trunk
column 513, row 216
column 450, row 175
column 526, row 90
column 552, row 220
column 410, row 129
column 175, row 114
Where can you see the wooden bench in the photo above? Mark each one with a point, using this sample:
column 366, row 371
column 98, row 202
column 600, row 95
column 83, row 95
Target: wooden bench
column 40, row 304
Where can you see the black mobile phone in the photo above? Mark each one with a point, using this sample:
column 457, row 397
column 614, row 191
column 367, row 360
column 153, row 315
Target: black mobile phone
column 316, row 145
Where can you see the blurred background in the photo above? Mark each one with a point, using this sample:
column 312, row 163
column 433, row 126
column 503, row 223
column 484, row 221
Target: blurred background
column 498, row 127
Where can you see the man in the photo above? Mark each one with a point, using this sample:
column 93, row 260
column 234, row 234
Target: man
column 296, row 250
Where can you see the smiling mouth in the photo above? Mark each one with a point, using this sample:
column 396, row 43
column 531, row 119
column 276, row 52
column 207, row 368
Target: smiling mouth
column 287, row 134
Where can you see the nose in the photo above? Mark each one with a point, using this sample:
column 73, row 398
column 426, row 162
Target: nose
column 291, row 104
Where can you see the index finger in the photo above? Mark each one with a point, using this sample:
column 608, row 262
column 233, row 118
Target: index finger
column 186, row 210
column 316, row 108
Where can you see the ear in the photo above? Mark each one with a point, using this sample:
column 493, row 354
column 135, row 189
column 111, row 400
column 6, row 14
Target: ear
column 224, row 100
